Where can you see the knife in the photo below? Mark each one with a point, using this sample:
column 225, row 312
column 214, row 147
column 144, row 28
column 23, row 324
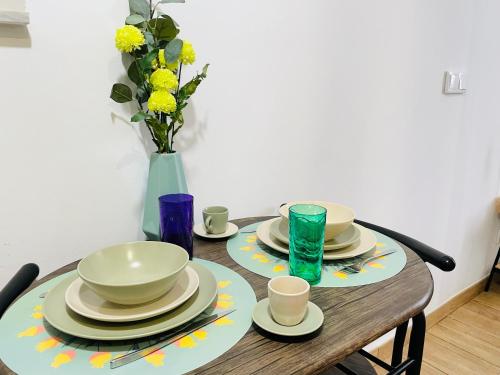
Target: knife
column 172, row 337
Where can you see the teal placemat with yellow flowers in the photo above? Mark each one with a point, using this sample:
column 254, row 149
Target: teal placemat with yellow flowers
column 250, row 253
column 29, row 346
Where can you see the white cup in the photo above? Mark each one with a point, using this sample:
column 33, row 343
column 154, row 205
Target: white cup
column 288, row 297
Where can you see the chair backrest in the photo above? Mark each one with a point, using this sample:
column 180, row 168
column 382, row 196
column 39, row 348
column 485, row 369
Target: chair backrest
column 427, row 253
column 18, row 284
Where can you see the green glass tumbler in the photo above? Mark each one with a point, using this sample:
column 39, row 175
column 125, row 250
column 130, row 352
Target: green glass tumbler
column 307, row 236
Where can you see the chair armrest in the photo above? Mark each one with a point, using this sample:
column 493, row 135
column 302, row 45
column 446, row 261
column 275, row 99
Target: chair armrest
column 427, row 253
column 18, row 284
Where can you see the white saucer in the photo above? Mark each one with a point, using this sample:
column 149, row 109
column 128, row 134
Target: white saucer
column 312, row 321
column 366, row 243
column 199, row 230
column 82, row 300
column 279, row 229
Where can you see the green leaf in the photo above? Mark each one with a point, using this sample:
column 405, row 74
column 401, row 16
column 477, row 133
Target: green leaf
column 163, row 28
column 134, row 19
column 172, row 1
column 173, row 50
column 135, row 73
column 140, row 7
column 147, row 60
column 138, row 117
column 149, row 38
column 205, row 70
column 142, row 95
column 190, row 88
column 121, row 93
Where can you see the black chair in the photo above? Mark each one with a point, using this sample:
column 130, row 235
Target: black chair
column 415, row 352
column 18, row 284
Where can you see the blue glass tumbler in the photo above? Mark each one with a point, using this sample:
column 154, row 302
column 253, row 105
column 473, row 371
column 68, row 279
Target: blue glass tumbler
column 176, row 220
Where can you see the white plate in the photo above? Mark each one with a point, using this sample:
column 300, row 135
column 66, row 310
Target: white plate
column 82, row 300
column 279, row 229
column 366, row 242
column 199, row 229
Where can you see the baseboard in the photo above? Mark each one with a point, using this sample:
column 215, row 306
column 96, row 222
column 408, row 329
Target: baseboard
column 384, row 351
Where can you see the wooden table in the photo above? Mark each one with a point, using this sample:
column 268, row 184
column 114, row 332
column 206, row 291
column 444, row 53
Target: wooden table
column 354, row 317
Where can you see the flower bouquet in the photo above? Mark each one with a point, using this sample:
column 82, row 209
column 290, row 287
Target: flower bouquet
column 157, row 57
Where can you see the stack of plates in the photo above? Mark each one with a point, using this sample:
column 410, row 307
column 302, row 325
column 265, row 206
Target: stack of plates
column 73, row 308
column 352, row 241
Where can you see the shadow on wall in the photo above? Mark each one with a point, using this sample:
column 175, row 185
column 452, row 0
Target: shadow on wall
column 15, row 36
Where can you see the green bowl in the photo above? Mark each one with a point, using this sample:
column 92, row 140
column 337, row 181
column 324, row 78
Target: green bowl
column 133, row 272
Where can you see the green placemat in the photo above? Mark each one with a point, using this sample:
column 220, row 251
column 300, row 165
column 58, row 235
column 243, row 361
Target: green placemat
column 26, row 347
column 249, row 252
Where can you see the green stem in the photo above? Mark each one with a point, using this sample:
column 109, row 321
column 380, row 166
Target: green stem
column 179, row 80
column 172, row 124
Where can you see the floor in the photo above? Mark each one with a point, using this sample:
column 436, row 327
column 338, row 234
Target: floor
column 467, row 341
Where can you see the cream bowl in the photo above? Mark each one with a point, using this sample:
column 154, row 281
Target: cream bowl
column 133, row 272
column 338, row 217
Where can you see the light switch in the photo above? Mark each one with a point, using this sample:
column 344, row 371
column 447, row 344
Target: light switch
column 454, row 83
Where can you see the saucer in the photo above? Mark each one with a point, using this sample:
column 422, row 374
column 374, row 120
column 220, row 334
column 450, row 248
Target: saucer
column 279, row 229
column 312, row 321
column 366, row 243
column 199, row 230
column 82, row 300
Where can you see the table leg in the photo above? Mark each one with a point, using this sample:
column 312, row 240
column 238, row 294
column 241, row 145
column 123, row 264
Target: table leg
column 399, row 342
column 417, row 338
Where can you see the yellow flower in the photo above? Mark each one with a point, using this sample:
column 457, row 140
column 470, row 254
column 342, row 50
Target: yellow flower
column 162, row 101
column 187, row 55
column 163, row 62
column 163, row 79
column 128, row 38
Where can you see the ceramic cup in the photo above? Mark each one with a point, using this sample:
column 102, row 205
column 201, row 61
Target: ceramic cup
column 288, row 297
column 215, row 219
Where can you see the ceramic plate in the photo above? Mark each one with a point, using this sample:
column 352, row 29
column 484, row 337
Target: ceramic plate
column 279, row 229
column 82, row 300
column 366, row 242
column 64, row 319
column 199, row 229
column 312, row 321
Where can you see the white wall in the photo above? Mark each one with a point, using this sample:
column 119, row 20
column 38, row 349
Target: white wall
column 337, row 100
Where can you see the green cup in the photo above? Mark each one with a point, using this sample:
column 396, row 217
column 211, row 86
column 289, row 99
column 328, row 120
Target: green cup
column 307, row 234
column 215, row 219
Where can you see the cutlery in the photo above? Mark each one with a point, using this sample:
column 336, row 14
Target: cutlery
column 164, row 341
column 357, row 266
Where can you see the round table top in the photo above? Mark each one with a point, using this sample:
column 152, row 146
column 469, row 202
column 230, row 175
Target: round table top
column 354, row 317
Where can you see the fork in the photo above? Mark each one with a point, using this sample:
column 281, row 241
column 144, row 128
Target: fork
column 358, row 266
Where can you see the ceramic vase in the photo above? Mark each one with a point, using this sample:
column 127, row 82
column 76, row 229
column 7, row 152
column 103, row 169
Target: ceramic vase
column 166, row 176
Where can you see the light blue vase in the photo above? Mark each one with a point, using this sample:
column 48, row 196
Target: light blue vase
column 166, row 176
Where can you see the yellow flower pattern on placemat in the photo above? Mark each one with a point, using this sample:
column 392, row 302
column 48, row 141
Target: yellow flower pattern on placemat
column 47, row 344
column 224, row 321
column 156, row 358
column 63, row 358
column 262, row 258
column 223, row 284
column 37, row 312
column 99, row 359
column 31, row 331
column 279, row 268
column 251, row 239
column 246, row 248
